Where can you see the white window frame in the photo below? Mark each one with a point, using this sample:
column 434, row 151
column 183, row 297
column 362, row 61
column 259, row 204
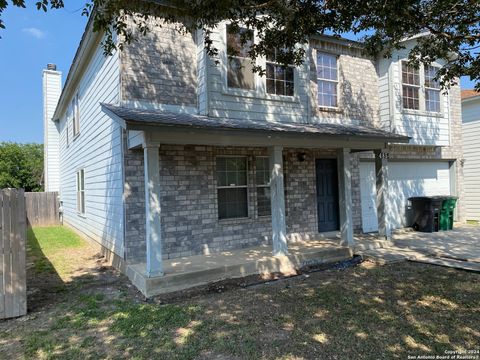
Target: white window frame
column 75, row 116
column 246, row 186
column 276, row 64
column 414, row 86
column 427, row 88
column 67, row 121
column 226, row 62
column 422, row 107
column 336, row 82
column 80, row 176
column 260, row 90
column 257, row 186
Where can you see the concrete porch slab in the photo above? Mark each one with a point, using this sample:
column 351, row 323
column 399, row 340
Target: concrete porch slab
column 188, row 272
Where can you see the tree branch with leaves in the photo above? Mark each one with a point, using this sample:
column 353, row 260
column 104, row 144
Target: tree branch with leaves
column 453, row 26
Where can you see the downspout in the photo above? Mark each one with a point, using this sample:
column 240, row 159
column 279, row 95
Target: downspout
column 308, row 89
column 449, row 120
column 391, row 97
column 207, row 81
column 123, row 135
column 123, row 144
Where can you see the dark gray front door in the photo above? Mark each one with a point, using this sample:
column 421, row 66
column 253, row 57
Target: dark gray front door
column 327, row 195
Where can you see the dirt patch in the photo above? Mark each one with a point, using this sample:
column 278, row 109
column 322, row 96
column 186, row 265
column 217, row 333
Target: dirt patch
column 360, row 312
column 92, row 275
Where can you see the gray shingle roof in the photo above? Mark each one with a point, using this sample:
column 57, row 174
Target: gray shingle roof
column 165, row 118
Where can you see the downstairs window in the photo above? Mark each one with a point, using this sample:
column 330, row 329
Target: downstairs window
column 81, row 191
column 232, row 187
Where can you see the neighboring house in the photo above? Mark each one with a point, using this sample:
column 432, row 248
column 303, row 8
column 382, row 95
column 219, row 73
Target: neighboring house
column 166, row 153
column 471, row 148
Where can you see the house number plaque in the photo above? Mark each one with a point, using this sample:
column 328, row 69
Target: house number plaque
column 384, row 155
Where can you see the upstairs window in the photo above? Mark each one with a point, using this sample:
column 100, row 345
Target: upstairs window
column 232, row 187
column 81, row 191
column 279, row 78
column 239, row 68
column 66, row 127
column 327, row 80
column 262, row 177
column 75, row 116
column 410, row 87
column 432, row 89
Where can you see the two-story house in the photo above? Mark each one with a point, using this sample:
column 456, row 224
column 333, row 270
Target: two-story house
column 170, row 158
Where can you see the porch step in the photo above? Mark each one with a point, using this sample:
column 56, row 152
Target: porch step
column 202, row 270
column 372, row 244
column 383, row 256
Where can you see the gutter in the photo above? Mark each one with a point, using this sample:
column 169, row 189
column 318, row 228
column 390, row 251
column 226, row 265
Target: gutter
column 471, row 99
column 133, row 125
column 338, row 40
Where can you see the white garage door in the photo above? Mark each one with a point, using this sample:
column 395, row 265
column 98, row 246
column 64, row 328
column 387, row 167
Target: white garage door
column 405, row 179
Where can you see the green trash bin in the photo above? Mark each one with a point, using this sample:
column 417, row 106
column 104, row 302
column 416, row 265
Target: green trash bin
column 446, row 213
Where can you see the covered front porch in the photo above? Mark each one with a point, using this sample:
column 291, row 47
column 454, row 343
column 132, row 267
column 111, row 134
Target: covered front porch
column 192, row 271
column 164, row 138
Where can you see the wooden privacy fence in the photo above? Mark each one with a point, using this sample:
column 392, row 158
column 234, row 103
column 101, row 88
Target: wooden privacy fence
column 13, row 289
column 42, row 208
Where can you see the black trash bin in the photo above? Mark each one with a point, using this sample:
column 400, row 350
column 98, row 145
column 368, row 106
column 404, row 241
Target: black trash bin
column 426, row 212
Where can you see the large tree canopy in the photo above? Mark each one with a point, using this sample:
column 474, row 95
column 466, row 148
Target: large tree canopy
column 453, row 26
column 21, row 166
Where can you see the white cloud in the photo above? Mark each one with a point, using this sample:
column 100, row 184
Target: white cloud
column 36, row 33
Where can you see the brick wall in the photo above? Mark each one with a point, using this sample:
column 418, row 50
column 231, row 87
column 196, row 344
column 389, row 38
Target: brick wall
column 190, row 224
column 358, row 102
column 301, row 188
column 160, row 67
column 356, row 197
column 301, row 196
column 134, row 197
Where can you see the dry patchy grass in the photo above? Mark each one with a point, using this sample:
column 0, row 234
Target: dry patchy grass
column 365, row 312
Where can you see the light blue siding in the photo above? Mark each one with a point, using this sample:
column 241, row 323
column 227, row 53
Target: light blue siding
column 217, row 100
column 384, row 94
column 471, row 149
column 471, row 110
column 98, row 150
column 424, row 128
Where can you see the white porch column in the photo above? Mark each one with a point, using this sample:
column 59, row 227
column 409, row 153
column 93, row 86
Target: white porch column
column 152, row 210
column 345, row 196
column 279, row 227
column 381, row 174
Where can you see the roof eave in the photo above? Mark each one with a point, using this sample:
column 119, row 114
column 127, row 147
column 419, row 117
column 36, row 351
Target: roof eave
column 471, row 98
column 135, row 125
column 338, row 40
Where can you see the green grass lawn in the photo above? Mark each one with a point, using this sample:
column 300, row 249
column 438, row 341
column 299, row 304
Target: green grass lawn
column 48, row 248
column 366, row 312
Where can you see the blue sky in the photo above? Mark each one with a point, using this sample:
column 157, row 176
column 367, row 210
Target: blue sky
column 31, row 40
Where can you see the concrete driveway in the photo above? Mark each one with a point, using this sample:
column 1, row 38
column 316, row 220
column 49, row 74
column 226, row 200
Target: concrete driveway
column 461, row 243
column 458, row 248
